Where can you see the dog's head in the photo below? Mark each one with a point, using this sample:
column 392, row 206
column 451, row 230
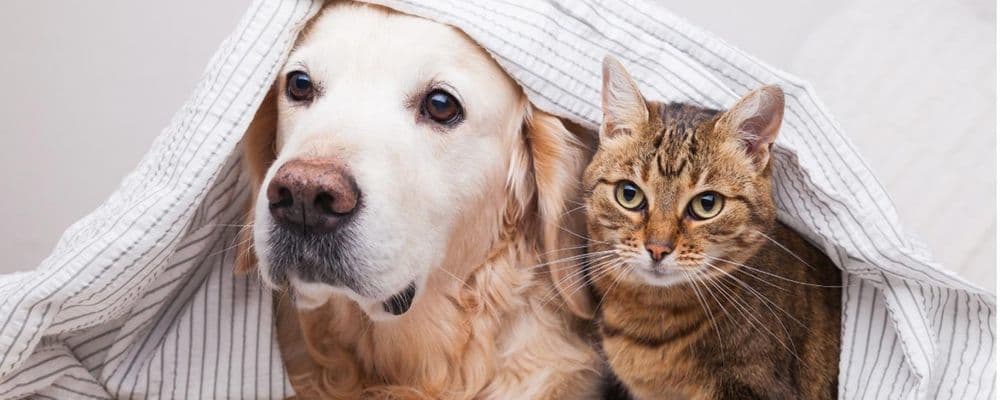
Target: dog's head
column 392, row 150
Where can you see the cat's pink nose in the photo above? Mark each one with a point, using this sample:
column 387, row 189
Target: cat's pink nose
column 659, row 250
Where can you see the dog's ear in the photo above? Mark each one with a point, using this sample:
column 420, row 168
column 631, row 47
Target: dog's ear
column 557, row 161
column 258, row 151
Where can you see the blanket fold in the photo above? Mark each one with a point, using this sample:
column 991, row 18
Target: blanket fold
column 139, row 298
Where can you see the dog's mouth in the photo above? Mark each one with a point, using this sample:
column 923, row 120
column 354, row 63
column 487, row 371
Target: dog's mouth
column 323, row 265
column 400, row 302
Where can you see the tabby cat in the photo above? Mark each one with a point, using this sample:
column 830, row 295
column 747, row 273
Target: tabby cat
column 702, row 293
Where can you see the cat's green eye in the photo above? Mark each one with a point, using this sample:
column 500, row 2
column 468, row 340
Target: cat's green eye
column 706, row 205
column 629, row 195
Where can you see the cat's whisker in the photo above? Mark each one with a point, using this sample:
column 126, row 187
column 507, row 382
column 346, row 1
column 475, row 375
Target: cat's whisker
column 622, row 273
column 596, row 269
column 570, row 211
column 571, row 264
column 575, row 277
column 570, row 258
column 766, row 302
column 715, row 297
column 781, row 246
column 577, row 262
column 577, row 235
column 747, row 310
column 595, row 272
column 581, row 279
column 770, row 304
column 585, row 282
column 564, row 249
column 692, row 280
column 770, row 274
column 740, row 270
column 708, row 291
column 576, row 266
column 762, row 280
column 582, row 272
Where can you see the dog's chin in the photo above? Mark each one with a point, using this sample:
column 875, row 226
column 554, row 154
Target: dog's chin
column 311, row 295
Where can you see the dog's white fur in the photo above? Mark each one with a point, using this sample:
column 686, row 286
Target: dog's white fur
column 468, row 213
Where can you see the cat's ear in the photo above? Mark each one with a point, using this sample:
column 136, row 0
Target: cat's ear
column 623, row 105
column 756, row 119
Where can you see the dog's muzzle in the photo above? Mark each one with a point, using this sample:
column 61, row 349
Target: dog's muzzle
column 312, row 203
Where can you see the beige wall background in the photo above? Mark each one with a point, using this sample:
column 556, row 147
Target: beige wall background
column 87, row 85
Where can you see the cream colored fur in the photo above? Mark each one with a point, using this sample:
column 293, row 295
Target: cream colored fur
column 471, row 214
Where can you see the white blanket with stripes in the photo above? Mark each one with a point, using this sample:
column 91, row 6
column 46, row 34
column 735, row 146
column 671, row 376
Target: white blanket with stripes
column 138, row 298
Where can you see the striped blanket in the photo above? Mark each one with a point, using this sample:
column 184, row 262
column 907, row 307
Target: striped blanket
column 138, row 299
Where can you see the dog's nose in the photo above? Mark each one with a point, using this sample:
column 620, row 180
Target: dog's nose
column 659, row 250
column 312, row 194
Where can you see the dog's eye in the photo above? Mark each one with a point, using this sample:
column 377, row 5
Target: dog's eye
column 442, row 107
column 299, row 86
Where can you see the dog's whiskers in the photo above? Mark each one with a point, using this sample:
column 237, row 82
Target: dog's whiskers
column 248, row 242
column 241, row 226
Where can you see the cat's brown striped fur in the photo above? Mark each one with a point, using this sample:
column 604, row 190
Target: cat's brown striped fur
column 745, row 317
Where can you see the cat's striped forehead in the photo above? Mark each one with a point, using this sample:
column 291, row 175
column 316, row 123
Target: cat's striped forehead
column 677, row 139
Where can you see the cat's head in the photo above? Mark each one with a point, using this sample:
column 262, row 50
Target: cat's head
column 677, row 192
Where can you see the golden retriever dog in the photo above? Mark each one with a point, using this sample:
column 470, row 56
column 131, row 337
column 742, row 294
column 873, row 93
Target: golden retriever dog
column 415, row 206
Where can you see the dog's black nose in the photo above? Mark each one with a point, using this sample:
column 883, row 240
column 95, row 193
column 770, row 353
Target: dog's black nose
column 314, row 195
